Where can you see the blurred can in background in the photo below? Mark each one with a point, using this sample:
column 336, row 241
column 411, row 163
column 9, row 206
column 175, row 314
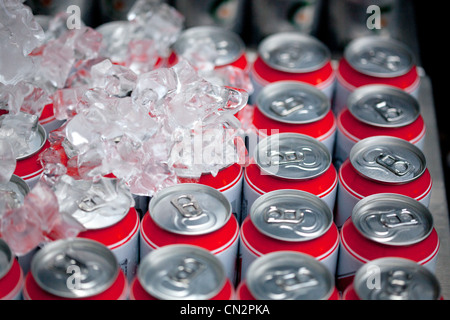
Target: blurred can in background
column 223, row 13
column 269, row 17
column 112, row 10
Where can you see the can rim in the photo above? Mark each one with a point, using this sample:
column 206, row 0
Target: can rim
column 164, row 193
column 282, row 86
column 313, row 200
column 155, row 256
column 358, row 44
column 255, row 269
column 406, row 145
column 274, row 40
column 4, row 247
column 360, row 280
column 108, row 255
column 363, row 91
column 213, row 31
column 372, row 201
column 42, row 134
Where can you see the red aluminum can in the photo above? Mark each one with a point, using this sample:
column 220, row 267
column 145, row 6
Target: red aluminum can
column 75, row 269
column 230, row 47
column 28, row 166
column 378, row 110
column 386, row 225
column 228, row 181
column 290, row 220
column 181, row 272
column 192, row 214
column 11, row 274
column 288, row 106
column 292, row 56
column 48, row 119
column 290, row 161
column 381, row 164
column 287, row 275
column 375, row 60
column 393, row 279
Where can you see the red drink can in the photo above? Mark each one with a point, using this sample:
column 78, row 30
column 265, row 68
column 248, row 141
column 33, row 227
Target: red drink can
column 386, row 225
column 75, row 269
column 292, row 56
column 289, row 220
column 11, row 274
column 290, row 161
column 192, row 214
column 393, row 279
column 375, row 60
column 378, row 110
column 381, row 164
column 230, row 47
column 287, row 275
column 181, row 272
column 228, row 181
column 289, row 106
column 28, row 165
column 48, row 119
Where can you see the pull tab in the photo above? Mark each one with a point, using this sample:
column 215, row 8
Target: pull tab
column 186, row 271
column 383, row 59
column 397, row 166
column 397, row 283
column 389, row 113
column 64, row 260
column 398, row 219
column 187, row 206
column 91, row 203
column 291, row 280
column 290, row 55
column 288, row 106
column 280, row 215
column 278, row 158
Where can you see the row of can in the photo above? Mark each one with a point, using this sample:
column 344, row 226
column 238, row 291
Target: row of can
column 189, row 245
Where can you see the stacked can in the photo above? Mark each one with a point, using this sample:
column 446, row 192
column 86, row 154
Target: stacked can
column 292, row 56
column 229, row 46
column 181, row 272
column 393, row 279
column 290, row 161
column 378, row 110
column 386, row 225
column 48, row 119
column 11, row 274
column 114, row 223
column 290, row 220
column 75, row 269
column 192, row 214
column 381, row 164
column 287, row 275
column 229, row 182
column 288, row 106
column 28, row 165
column 375, row 60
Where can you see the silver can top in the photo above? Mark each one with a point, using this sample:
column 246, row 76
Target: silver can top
column 190, row 209
column 392, row 219
column 379, row 56
column 395, row 279
column 289, row 275
column 293, row 52
column 74, row 268
column 95, row 204
column 387, row 159
column 292, row 156
column 15, row 191
column 291, row 215
column 6, row 258
column 383, row 106
column 181, row 272
column 228, row 44
column 36, row 143
column 293, row 102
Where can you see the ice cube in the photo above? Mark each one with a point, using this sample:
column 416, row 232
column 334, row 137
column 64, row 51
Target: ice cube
column 7, row 161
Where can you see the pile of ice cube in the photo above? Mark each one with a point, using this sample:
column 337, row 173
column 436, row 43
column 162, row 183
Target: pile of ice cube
column 124, row 117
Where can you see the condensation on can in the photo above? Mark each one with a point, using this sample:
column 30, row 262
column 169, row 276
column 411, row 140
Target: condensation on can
column 11, row 274
column 48, row 119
